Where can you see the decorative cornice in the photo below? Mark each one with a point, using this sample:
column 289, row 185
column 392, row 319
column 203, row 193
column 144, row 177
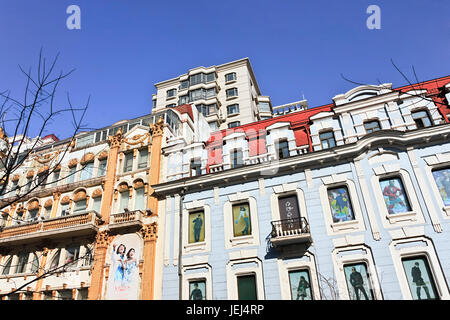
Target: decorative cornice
column 136, row 139
column 47, row 157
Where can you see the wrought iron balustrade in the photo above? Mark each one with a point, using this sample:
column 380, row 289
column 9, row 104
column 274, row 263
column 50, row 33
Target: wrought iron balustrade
column 290, row 228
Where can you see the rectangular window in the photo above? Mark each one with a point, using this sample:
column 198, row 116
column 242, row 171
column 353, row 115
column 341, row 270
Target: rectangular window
column 422, row 119
column 197, row 94
column 71, row 175
column 32, row 214
column 171, row 93
column 83, row 294
column 143, row 157
column 241, row 220
column 85, row 140
column 197, row 290
column 394, row 195
column 247, row 287
column 234, row 124
column 300, row 284
column 213, row 125
column 420, row 278
column 327, row 140
column 372, row 126
column 358, row 282
column 55, row 178
column 47, row 295
column 233, row 109
column 172, row 105
column 442, row 179
column 128, row 162
column 79, row 206
column 210, row 93
column 47, row 212
column 102, row 167
column 197, row 78
column 65, row 209
column 196, row 226
column 139, row 203
column 283, row 149
column 236, row 159
column 230, row 77
column 22, row 262
column 97, row 204
column 195, row 167
column 183, row 100
column 289, row 213
column 124, row 199
column 233, row 92
column 14, row 187
column 212, row 108
column 210, row 77
column 184, row 85
column 86, row 172
column 65, row 295
column 340, row 205
column 72, row 255
column 264, row 107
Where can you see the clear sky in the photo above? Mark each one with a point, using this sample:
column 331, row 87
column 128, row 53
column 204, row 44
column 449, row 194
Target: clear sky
column 295, row 47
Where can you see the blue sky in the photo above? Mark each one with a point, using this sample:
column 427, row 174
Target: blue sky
column 295, row 47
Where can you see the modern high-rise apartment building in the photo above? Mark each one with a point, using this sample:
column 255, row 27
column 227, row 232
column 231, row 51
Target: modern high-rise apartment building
column 227, row 95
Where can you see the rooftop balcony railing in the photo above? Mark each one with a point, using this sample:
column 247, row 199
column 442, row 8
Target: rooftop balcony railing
column 290, row 231
column 66, row 226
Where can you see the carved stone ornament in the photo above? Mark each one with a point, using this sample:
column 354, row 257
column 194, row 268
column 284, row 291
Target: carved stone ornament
column 32, row 205
column 43, row 169
column 88, row 157
column 48, row 203
column 30, row 174
column 102, row 239
column 157, row 128
column 79, row 195
column 15, row 178
column 116, row 139
column 97, row 193
column 65, row 200
column 149, row 232
column 123, row 187
column 103, row 155
column 72, row 163
column 137, row 139
column 138, row 184
column 47, row 157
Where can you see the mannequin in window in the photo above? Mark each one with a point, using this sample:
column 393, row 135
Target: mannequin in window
column 301, row 289
column 418, row 280
column 357, row 282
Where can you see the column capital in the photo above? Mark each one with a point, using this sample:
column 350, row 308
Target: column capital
column 149, row 232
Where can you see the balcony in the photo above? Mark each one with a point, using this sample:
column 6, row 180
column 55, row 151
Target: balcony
column 80, row 224
column 290, row 231
column 126, row 220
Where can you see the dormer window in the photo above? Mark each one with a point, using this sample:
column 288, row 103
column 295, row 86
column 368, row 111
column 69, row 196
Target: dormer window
column 327, row 139
column 283, row 149
column 236, row 158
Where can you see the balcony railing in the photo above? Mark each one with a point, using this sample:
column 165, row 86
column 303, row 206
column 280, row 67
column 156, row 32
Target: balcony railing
column 126, row 219
column 290, row 231
column 68, row 225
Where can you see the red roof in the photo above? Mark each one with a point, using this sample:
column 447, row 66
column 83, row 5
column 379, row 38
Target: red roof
column 185, row 108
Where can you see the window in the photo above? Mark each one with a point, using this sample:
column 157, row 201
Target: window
column 283, row 149
column 28, row 184
column 55, row 260
column 22, row 262
column 171, row 93
column 139, row 203
column 230, row 77
column 236, row 159
column 233, row 109
column 394, row 195
column 195, row 167
column 65, row 295
column 341, row 208
column 35, row 264
column 32, row 214
column 197, row 94
column 71, row 175
column 442, row 179
column 358, row 281
column 85, row 140
column 372, row 126
column 171, row 105
column 210, row 77
column 327, row 140
column 197, row 78
column 65, row 209
column 234, row 124
column 210, row 93
column 420, row 278
column 102, row 167
column 143, row 157
column 213, row 125
column 7, row 267
column 196, row 226
column 247, row 287
column 264, row 107
column 86, row 172
column 124, row 199
column 47, row 212
column 83, row 294
column 183, row 100
column 47, row 295
column 197, row 290
column 184, row 85
column 422, row 119
column 72, row 255
column 55, row 178
column 233, row 92
column 300, row 284
column 289, row 212
column 88, row 256
column 80, row 206
column 14, row 187
column 128, row 162
column 42, row 179
column 27, row 296
column 241, row 220
column 97, row 204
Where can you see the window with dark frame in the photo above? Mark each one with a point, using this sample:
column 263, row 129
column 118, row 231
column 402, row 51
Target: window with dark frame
column 195, row 168
column 233, row 109
column 359, row 284
column 421, row 281
column 283, row 149
column 230, row 76
column 372, row 126
column 422, row 119
column 234, row 124
column 327, row 139
column 232, row 92
column 395, row 195
column 300, row 284
column 128, row 162
column 246, row 285
column 236, row 158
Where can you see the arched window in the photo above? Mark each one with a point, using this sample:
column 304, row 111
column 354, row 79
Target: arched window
column 55, row 260
column 7, row 267
column 124, row 197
